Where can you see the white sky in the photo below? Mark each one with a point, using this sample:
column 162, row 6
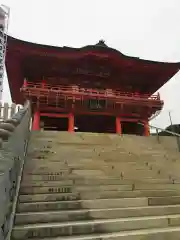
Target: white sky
column 147, row 29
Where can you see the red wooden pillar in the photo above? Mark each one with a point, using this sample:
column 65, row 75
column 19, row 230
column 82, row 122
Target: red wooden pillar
column 25, row 84
column 146, row 128
column 118, row 125
column 36, row 121
column 71, row 122
column 43, row 83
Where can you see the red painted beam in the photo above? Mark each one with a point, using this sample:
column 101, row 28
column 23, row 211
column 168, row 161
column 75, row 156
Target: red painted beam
column 64, row 115
column 84, row 112
column 129, row 120
column 55, row 115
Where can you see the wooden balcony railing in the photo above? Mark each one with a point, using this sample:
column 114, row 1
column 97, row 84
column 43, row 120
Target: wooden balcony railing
column 46, row 89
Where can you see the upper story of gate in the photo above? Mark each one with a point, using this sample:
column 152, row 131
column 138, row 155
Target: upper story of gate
column 96, row 68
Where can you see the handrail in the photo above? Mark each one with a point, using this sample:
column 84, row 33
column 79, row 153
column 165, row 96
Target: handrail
column 164, row 130
column 167, row 131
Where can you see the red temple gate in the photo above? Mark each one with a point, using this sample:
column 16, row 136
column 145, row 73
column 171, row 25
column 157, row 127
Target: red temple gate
column 75, row 84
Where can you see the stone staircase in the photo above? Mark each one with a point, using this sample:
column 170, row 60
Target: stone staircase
column 98, row 186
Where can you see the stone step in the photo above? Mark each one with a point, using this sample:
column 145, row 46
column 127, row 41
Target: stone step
column 100, row 166
column 93, row 226
column 77, row 159
column 86, row 188
column 96, row 157
column 163, row 200
column 146, row 234
column 144, row 172
column 109, row 159
column 143, row 186
column 96, row 195
column 51, row 216
column 77, row 137
column 69, row 188
column 78, row 182
column 50, row 177
column 99, row 153
column 85, row 204
column 59, row 176
column 66, row 135
column 47, row 183
column 66, row 167
column 83, row 161
column 94, row 149
column 99, row 173
column 56, row 144
column 49, row 197
column 85, row 214
column 98, row 150
column 46, row 170
column 85, row 146
column 136, row 175
column 64, row 154
column 148, row 180
column 66, row 172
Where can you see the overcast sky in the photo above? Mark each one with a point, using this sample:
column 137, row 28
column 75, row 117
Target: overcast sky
column 147, row 29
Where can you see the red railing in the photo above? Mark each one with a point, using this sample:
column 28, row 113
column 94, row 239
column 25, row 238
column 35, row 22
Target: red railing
column 76, row 90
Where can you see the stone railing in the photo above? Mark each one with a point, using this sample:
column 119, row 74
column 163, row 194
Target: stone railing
column 8, row 110
column 14, row 135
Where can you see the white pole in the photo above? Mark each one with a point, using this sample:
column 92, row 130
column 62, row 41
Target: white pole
column 4, row 22
column 170, row 118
